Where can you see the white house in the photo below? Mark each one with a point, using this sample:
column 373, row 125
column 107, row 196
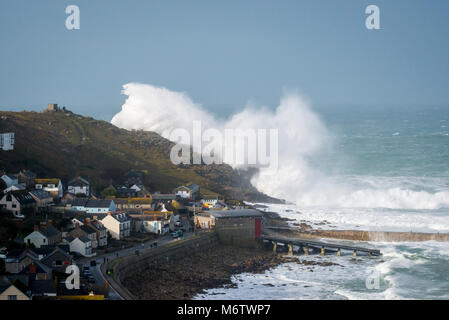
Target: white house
column 191, row 192
column 18, row 202
column 154, row 226
column 52, row 186
column 81, row 245
column 79, row 185
column 7, row 141
column 16, row 187
column 43, row 236
column 10, row 180
column 93, row 205
column 118, row 225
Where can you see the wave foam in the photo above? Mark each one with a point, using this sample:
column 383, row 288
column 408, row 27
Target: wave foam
column 302, row 135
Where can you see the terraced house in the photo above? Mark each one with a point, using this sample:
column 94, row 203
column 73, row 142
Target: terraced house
column 43, row 199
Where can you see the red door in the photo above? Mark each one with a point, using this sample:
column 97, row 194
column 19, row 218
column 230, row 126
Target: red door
column 258, row 226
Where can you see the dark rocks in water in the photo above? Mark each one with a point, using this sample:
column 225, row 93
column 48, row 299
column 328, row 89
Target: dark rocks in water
column 317, row 263
column 184, row 278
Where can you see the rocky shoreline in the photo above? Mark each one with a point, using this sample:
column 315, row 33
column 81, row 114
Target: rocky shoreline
column 187, row 277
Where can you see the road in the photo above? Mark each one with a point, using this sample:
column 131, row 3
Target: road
column 142, row 247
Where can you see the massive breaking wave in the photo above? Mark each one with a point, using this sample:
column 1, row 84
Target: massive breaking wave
column 302, row 135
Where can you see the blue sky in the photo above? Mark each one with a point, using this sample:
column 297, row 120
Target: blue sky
column 224, row 53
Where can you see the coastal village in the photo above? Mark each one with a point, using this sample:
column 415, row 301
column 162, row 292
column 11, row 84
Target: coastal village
column 69, row 239
column 49, row 224
column 63, row 224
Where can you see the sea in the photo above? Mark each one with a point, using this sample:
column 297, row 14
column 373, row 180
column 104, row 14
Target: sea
column 387, row 170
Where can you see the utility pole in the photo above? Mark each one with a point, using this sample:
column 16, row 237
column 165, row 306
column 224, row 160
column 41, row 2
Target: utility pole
column 194, row 218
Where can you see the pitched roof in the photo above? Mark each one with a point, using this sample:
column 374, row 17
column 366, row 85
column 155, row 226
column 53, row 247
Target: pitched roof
column 49, row 231
column 84, row 239
column 194, row 187
column 28, row 174
column 97, row 225
column 78, row 202
column 40, row 194
column 54, row 181
column 88, row 229
column 120, row 217
column 94, row 203
column 15, row 253
column 10, row 176
column 159, row 196
column 236, row 213
column 78, row 182
column 18, row 284
column 23, row 197
column 55, row 251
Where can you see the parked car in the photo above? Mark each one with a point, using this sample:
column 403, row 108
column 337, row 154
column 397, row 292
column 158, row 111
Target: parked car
column 176, row 234
column 18, row 215
column 86, row 270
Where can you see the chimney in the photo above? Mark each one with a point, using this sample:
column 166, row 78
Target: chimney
column 36, row 227
column 109, row 213
column 77, row 225
column 50, row 222
column 87, row 220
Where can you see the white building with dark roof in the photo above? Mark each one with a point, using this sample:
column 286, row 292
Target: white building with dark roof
column 191, row 192
column 79, row 185
column 118, row 225
column 43, row 236
column 81, row 245
column 18, row 202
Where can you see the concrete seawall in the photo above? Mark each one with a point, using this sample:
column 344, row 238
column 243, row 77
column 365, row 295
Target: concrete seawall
column 378, row 236
column 126, row 266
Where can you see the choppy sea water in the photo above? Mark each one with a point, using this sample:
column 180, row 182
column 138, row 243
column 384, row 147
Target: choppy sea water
column 392, row 169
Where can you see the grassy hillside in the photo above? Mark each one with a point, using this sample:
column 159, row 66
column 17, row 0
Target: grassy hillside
column 63, row 144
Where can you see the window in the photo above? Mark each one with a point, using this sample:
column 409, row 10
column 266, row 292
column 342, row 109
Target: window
column 14, row 205
column 12, row 297
column 57, row 263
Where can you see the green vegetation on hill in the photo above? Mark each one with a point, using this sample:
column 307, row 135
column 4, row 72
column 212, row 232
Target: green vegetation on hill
column 64, row 144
